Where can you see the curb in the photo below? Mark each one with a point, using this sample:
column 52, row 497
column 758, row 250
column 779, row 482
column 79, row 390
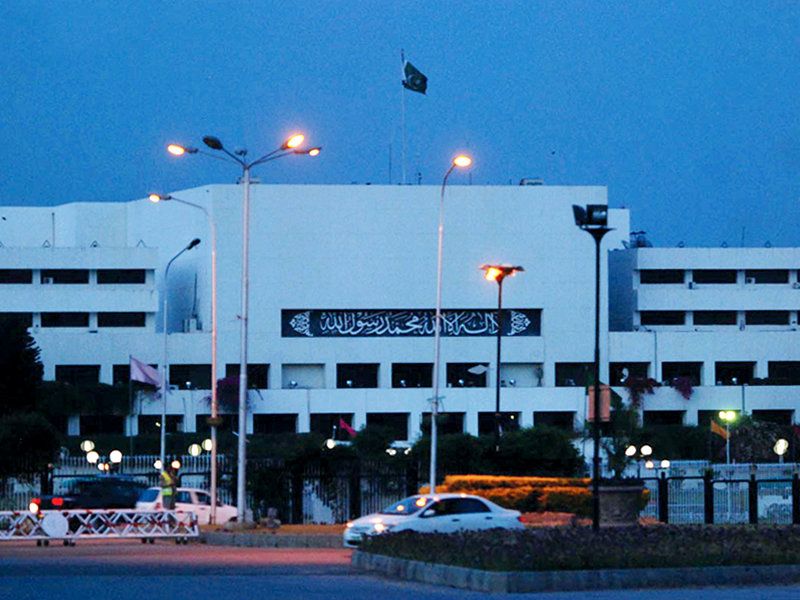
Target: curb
column 270, row 540
column 552, row 581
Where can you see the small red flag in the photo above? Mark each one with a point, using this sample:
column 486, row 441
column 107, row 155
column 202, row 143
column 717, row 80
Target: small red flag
column 343, row 425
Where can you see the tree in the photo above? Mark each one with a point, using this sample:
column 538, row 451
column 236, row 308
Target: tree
column 540, row 451
column 28, row 443
column 20, row 367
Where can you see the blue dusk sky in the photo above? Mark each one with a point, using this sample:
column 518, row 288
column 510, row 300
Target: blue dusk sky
column 687, row 111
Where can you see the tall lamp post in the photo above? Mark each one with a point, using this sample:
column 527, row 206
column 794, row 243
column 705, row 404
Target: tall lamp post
column 289, row 147
column 594, row 220
column 214, row 401
column 165, row 366
column 459, row 161
column 498, row 273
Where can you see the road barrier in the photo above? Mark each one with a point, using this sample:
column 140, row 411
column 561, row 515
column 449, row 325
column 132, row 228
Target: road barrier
column 70, row 525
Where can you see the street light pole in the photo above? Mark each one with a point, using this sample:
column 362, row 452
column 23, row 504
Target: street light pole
column 165, row 366
column 498, row 273
column 289, row 147
column 594, row 220
column 458, row 161
column 214, row 398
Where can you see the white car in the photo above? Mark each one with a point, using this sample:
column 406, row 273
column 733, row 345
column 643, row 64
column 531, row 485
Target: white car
column 188, row 500
column 440, row 513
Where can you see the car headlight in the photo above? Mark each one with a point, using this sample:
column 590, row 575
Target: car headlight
column 382, row 527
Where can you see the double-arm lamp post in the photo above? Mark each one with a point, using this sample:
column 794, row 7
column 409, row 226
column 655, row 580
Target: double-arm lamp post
column 498, row 273
column 594, row 220
column 214, row 401
column 462, row 162
column 238, row 157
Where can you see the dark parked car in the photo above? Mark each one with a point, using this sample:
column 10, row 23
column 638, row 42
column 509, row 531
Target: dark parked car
column 94, row 492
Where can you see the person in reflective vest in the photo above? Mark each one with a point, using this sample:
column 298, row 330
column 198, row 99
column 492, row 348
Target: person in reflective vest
column 168, row 485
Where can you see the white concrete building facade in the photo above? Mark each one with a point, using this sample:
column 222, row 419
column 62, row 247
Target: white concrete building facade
column 342, row 294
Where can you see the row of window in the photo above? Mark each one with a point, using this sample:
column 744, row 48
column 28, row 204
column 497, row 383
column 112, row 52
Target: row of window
column 713, row 276
column 81, row 319
column 715, row 317
column 396, row 424
column 73, row 276
column 725, row 373
column 327, row 424
column 188, row 377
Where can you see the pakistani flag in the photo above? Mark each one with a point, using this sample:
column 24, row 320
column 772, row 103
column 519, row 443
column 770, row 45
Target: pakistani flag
column 414, row 80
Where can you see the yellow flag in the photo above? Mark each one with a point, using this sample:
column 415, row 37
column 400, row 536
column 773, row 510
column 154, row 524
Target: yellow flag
column 718, row 429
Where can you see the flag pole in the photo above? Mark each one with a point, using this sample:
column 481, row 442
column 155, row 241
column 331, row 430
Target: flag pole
column 403, row 104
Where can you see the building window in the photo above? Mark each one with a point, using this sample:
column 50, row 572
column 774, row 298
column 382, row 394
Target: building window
column 714, row 276
column 16, row 276
column 662, row 418
column 509, row 421
column 681, row 370
column 779, row 417
column 328, row 424
column 65, row 276
column 734, row 373
column 357, row 375
column 784, row 372
column 24, row 319
column 620, row 372
column 102, row 425
column 774, row 276
column 446, row 423
column 275, row 424
column 564, row 420
column 660, row 276
column 78, row 375
column 467, row 374
column 767, row 317
column 412, row 375
column 302, row 377
column 121, row 374
column 662, row 317
column 573, row 374
column 65, row 319
column 715, row 317
column 122, row 276
column 257, row 375
column 120, row 319
column 151, row 424
column 228, row 422
column 395, row 424
column 190, row 377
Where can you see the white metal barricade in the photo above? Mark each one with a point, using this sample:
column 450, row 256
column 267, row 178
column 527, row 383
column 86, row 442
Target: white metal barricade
column 70, row 525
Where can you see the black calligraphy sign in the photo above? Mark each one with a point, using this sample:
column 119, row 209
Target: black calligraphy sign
column 518, row 322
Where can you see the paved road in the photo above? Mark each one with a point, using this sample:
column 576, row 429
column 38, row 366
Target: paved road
column 111, row 570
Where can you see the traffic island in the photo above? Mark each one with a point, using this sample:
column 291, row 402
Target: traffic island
column 579, row 558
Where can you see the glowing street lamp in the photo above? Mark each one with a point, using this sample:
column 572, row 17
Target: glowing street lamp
column 460, row 161
column 289, row 147
column 498, row 273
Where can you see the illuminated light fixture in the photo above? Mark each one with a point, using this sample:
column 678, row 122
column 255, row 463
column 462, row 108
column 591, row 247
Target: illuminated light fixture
column 649, row 464
column 420, row 502
column 176, row 150
column 92, row 457
column 175, row 464
column 195, row 450
column 87, row 445
column 295, row 140
column 207, row 444
column 462, row 161
column 158, row 465
column 115, row 457
column 665, row 464
column 314, row 151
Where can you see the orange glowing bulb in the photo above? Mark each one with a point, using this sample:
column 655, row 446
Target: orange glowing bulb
column 295, row 141
column 462, row 161
column 176, row 150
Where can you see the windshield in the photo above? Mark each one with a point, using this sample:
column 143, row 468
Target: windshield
column 407, row 506
column 149, row 495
